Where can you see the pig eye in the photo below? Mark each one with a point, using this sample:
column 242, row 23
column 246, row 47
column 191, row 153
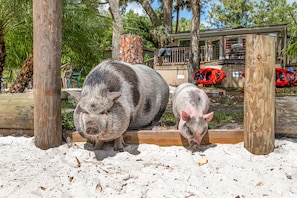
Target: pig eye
column 189, row 132
column 104, row 112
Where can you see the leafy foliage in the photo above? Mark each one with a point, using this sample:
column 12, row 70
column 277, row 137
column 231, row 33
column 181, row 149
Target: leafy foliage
column 85, row 33
column 138, row 25
column 230, row 13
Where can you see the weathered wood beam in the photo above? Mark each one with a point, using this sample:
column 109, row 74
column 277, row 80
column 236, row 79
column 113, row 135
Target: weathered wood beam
column 16, row 111
column 173, row 137
column 17, row 132
column 259, row 94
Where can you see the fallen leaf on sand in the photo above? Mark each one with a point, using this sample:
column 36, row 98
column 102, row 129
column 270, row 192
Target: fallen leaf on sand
column 202, row 161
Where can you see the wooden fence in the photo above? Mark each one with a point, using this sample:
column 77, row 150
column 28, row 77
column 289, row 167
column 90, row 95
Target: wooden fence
column 16, row 117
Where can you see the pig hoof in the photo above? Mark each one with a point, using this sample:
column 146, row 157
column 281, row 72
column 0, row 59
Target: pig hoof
column 194, row 147
column 89, row 146
column 119, row 149
column 119, row 144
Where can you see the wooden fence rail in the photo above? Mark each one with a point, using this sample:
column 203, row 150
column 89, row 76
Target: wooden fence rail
column 16, row 117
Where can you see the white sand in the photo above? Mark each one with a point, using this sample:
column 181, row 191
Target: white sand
column 146, row 171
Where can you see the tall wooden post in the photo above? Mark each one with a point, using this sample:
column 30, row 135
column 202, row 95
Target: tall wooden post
column 131, row 50
column 259, row 94
column 47, row 33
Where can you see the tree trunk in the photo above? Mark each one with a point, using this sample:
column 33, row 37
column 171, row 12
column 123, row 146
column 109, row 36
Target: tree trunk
column 177, row 20
column 47, row 40
column 194, row 59
column 131, row 49
column 167, row 15
column 150, row 12
column 24, row 77
column 2, row 53
column 118, row 28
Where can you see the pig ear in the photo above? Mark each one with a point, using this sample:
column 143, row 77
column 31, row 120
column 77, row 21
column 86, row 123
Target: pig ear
column 208, row 117
column 184, row 116
column 114, row 96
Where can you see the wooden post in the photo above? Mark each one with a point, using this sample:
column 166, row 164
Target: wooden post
column 259, row 94
column 47, row 33
column 131, row 49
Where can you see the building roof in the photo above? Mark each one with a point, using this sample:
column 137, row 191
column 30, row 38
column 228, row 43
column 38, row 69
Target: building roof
column 205, row 34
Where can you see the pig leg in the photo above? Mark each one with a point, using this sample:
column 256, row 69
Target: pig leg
column 89, row 145
column 99, row 145
column 92, row 145
column 119, row 144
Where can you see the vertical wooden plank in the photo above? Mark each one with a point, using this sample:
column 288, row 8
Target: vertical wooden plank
column 259, row 94
column 47, row 32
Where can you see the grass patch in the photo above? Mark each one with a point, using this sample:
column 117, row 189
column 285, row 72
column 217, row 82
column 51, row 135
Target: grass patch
column 67, row 107
column 286, row 91
column 221, row 118
column 168, row 119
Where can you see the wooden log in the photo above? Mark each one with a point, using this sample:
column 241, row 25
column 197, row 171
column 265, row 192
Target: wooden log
column 173, row 137
column 131, row 50
column 17, row 132
column 259, row 94
column 47, row 42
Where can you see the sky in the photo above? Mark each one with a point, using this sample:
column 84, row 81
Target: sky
column 136, row 7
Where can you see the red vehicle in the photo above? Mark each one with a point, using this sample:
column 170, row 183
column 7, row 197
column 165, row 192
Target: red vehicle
column 283, row 77
column 208, row 76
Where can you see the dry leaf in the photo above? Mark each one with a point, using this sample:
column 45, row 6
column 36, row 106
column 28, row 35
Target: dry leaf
column 99, row 187
column 78, row 162
column 71, row 178
column 202, row 161
column 42, row 188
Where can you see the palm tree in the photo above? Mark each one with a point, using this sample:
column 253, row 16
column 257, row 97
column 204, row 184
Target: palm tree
column 194, row 61
column 2, row 50
column 24, row 77
column 180, row 5
column 5, row 19
column 85, row 34
column 184, row 25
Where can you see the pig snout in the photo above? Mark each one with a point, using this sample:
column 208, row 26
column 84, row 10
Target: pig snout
column 92, row 124
column 92, row 128
column 196, row 128
column 195, row 134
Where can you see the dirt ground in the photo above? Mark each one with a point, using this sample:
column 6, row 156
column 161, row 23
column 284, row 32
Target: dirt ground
column 233, row 101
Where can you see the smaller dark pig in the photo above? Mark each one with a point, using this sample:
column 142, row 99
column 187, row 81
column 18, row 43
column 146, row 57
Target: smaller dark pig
column 117, row 96
column 190, row 106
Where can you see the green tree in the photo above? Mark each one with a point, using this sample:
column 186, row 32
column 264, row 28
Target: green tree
column 229, row 13
column 139, row 25
column 180, row 5
column 18, row 34
column 272, row 12
column 292, row 47
column 194, row 58
column 184, row 25
column 86, row 33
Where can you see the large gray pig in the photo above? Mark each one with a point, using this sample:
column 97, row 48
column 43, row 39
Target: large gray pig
column 190, row 106
column 117, row 96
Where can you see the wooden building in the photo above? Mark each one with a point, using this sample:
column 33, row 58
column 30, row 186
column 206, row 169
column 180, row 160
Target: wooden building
column 219, row 48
